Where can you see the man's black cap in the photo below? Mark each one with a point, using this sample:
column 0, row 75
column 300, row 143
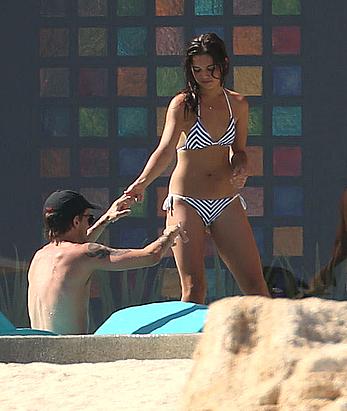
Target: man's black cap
column 67, row 202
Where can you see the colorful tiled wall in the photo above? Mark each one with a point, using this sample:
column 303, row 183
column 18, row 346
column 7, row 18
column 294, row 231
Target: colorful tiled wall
column 107, row 71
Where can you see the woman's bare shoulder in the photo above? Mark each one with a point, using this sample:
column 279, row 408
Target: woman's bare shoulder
column 177, row 103
column 176, row 107
column 236, row 98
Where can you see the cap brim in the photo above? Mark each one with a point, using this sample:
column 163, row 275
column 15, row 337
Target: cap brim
column 94, row 206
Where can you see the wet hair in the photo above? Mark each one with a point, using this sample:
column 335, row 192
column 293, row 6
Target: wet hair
column 57, row 223
column 212, row 45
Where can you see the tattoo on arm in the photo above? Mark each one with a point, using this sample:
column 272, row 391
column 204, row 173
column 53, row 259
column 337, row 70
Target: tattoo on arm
column 100, row 251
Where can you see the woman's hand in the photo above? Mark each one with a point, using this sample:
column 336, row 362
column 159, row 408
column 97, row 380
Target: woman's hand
column 136, row 190
column 239, row 172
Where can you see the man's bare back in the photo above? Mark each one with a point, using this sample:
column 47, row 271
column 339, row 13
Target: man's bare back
column 60, row 272
column 59, row 289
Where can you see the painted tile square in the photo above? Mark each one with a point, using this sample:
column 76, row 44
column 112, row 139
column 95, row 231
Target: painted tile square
column 131, row 41
column 287, row 80
column 132, row 81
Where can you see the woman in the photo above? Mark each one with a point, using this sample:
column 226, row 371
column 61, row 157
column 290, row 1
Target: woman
column 206, row 125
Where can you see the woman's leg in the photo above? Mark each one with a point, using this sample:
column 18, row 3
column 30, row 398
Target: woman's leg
column 236, row 245
column 189, row 256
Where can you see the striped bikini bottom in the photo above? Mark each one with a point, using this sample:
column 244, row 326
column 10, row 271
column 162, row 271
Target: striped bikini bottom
column 208, row 210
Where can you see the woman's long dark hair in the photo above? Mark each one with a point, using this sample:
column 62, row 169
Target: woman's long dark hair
column 212, row 45
column 326, row 276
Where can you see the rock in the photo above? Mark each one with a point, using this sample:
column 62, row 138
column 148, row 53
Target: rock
column 258, row 354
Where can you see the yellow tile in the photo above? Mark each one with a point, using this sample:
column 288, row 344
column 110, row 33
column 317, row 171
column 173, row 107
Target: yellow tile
column 248, row 80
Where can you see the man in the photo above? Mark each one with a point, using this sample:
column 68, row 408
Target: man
column 60, row 272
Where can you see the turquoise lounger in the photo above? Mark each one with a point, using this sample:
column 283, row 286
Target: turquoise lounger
column 7, row 328
column 171, row 317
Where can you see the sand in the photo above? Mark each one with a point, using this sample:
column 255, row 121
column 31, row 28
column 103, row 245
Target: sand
column 146, row 385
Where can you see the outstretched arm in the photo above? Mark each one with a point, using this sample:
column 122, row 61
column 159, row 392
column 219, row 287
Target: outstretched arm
column 119, row 209
column 100, row 257
column 163, row 154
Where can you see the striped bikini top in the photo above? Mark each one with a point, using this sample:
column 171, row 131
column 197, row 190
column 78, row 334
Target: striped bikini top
column 199, row 138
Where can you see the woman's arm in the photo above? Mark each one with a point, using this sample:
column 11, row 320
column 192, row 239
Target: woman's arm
column 238, row 157
column 163, row 154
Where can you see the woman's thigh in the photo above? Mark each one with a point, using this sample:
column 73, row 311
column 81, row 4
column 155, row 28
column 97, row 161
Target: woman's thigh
column 236, row 245
column 189, row 256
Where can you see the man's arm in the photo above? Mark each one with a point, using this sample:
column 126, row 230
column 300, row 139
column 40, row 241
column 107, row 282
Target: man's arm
column 119, row 208
column 100, row 257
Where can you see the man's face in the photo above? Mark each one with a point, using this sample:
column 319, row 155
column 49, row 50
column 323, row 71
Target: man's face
column 87, row 220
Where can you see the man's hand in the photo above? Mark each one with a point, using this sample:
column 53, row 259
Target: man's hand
column 174, row 231
column 239, row 172
column 119, row 209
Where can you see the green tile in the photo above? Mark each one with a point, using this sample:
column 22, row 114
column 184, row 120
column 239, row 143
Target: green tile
column 137, row 209
column 286, row 7
column 286, row 121
column 169, row 80
column 130, row 7
column 255, row 121
column 91, row 8
column 131, row 41
column 93, row 122
column 208, row 7
column 92, row 41
column 132, row 121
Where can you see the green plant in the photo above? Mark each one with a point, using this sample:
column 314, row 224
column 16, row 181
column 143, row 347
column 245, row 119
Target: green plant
column 14, row 293
column 139, row 286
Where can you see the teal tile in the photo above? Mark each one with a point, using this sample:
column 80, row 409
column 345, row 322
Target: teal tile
column 169, row 80
column 55, row 121
column 208, row 7
column 286, row 7
column 130, row 7
column 287, row 121
column 93, row 122
column 131, row 41
column 132, row 121
column 255, row 121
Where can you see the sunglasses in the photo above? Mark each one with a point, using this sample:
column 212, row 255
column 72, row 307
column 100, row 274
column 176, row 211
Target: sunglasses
column 91, row 219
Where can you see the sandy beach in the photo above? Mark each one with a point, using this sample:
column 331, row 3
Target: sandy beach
column 132, row 385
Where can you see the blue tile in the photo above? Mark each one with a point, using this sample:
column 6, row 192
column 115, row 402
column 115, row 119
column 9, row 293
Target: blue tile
column 131, row 161
column 258, row 233
column 287, row 80
column 288, row 201
column 133, row 237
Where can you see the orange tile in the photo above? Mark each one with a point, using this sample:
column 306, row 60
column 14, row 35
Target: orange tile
column 288, row 241
column 255, row 160
column 248, row 40
column 132, row 81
